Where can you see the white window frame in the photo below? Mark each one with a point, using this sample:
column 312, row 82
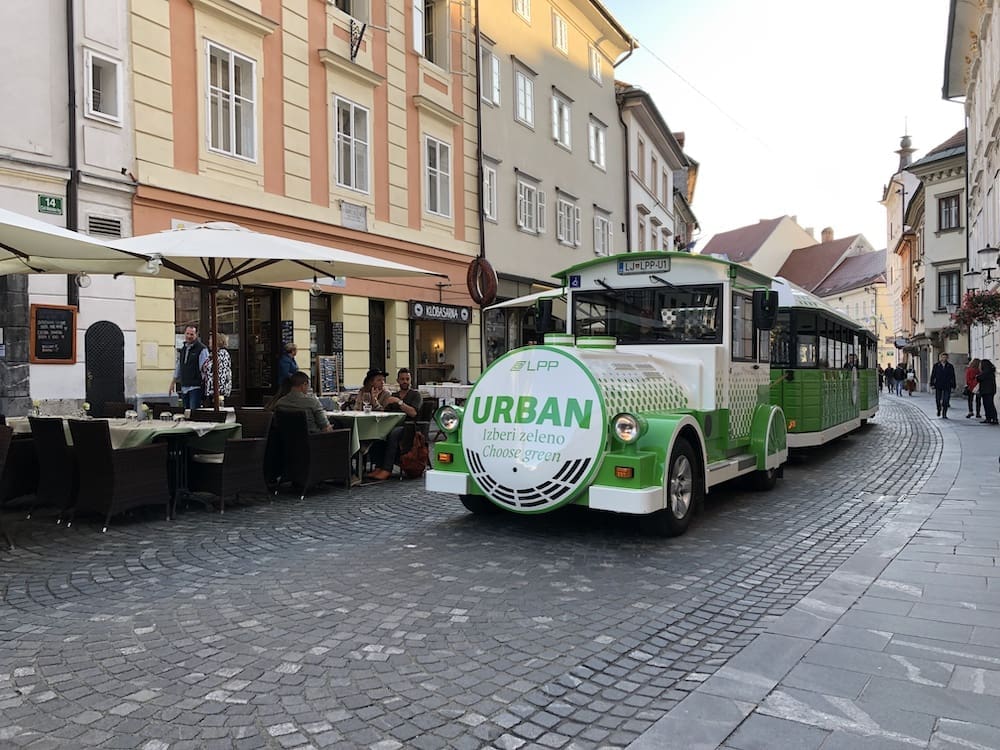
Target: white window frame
column 597, row 139
column 356, row 9
column 233, row 59
column 418, row 27
column 523, row 9
column 489, row 76
column 949, row 212
column 524, row 93
column 89, row 59
column 640, row 160
column 560, row 33
column 489, row 193
column 567, row 222
column 641, row 233
column 654, row 173
column 357, row 144
column 530, row 207
column 596, row 65
column 562, row 121
column 602, row 233
column 438, row 180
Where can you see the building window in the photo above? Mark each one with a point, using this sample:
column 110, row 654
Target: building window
column 560, row 33
column 641, row 233
column 524, row 85
column 567, row 222
column 597, row 136
column 438, row 177
column 595, row 64
column 523, row 9
column 602, row 233
column 232, row 99
column 665, row 188
column 654, row 172
column 948, row 213
column 490, row 193
column 948, row 289
column 530, row 208
column 430, row 30
column 640, row 161
column 352, row 145
column 103, row 87
column 358, row 9
column 561, row 121
column 489, row 71
column 743, row 327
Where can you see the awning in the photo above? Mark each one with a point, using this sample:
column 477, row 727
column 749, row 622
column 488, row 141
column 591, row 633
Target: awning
column 529, row 300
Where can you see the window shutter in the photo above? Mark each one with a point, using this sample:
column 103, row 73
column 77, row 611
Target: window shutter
column 555, row 119
column 576, row 226
column 608, row 239
column 418, row 27
column 597, row 235
column 495, row 71
column 560, row 220
column 592, row 142
column 521, row 205
column 541, row 211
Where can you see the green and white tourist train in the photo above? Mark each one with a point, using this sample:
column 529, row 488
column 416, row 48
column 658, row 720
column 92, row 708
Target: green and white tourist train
column 658, row 390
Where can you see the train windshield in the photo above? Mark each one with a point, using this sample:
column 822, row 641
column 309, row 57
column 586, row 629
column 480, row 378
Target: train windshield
column 667, row 315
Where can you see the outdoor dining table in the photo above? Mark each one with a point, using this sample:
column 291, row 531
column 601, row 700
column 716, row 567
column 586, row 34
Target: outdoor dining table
column 447, row 393
column 366, row 427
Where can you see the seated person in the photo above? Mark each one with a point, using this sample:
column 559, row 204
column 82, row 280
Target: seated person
column 374, row 387
column 299, row 398
column 407, row 400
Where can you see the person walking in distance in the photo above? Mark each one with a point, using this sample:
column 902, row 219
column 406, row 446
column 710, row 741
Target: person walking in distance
column 187, row 372
column 890, row 378
column 898, row 376
column 972, row 389
column 943, row 383
column 987, row 379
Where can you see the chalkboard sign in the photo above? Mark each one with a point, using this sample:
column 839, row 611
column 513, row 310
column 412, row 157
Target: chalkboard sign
column 52, row 335
column 328, row 383
column 287, row 332
column 337, row 337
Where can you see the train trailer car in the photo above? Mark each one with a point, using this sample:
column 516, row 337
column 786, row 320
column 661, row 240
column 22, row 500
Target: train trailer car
column 656, row 392
column 823, row 368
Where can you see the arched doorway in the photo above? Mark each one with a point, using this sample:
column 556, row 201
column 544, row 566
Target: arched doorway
column 104, row 345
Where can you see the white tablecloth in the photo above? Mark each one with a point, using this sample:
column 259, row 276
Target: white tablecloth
column 447, row 393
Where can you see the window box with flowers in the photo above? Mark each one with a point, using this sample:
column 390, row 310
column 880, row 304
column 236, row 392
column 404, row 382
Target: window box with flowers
column 979, row 307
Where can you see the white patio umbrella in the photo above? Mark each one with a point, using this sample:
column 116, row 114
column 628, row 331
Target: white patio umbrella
column 29, row 245
column 221, row 253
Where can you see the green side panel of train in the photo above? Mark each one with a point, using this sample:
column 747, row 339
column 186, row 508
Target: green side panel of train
column 868, row 390
column 814, row 400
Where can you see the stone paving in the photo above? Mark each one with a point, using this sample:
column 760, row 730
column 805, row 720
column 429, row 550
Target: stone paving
column 898, row 649
column 387, row 617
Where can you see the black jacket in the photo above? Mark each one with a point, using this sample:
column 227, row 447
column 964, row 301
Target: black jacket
column 943, row 376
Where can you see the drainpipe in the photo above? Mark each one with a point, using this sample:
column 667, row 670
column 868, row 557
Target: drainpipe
column 480, row 171
column 628, row 186
column 72, row 185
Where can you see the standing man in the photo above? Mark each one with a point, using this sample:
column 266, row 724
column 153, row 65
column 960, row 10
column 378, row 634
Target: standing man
column 890, row 379
column 187, row 372
column 943, row 383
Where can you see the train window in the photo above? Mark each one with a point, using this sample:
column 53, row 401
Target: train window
column 781, row 341
column 742, row 327
column 683, row 315
column 806, row 348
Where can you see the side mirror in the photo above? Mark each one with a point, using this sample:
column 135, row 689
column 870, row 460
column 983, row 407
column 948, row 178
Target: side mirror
column 765, row 309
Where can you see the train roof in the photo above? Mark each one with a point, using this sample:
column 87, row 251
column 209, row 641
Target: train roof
column 735, row 270
column 792, row 295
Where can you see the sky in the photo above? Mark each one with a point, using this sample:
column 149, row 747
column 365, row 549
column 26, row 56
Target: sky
column 793, row 106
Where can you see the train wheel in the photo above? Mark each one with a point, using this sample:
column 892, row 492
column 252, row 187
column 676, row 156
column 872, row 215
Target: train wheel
column 478, row 504
column 683, row 494
column 764, row 480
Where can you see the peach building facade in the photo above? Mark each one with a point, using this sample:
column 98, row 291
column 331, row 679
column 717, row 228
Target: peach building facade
column 352, row 130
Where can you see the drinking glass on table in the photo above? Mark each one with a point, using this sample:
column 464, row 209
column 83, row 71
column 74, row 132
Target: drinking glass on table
column 131, row 415
column 366, row 401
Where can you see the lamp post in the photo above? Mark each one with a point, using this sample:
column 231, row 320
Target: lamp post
column 988, row 262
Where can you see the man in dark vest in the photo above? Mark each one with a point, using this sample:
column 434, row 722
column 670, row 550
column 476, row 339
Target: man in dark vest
column 187, row 373
column 943, row 382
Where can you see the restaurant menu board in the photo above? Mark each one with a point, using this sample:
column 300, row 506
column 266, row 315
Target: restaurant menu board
column 329, row 375
column 52, row 335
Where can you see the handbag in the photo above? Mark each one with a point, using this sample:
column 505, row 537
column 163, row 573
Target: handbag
column 966, row 391
column 975, row 391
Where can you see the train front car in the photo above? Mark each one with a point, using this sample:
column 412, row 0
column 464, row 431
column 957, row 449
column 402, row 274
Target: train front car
column 652, row 396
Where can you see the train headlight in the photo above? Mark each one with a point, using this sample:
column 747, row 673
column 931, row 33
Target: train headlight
column 628, row 428
column 448, row 419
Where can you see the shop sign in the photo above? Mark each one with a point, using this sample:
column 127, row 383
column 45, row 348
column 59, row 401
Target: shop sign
column 440, row 312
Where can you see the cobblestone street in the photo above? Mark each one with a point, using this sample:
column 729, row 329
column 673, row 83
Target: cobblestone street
column 387, row 617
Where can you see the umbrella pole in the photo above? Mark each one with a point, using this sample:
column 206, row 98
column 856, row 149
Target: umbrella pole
column 213, row 316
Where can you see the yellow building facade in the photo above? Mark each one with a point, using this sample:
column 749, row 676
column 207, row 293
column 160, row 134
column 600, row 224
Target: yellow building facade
column 351, row 130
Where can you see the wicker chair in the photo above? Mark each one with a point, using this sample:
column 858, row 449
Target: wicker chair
column 114, row 481
column 238, row 469
column 256, row 423
column 57, row 465
column 310, row 458
column 209, row 415
column 20, row 474
column 113, row 409
column 6, row 437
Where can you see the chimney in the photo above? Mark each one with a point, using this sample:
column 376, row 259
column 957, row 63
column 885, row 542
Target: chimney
column 905, row 152
column 811, row 232
column 826, row 235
